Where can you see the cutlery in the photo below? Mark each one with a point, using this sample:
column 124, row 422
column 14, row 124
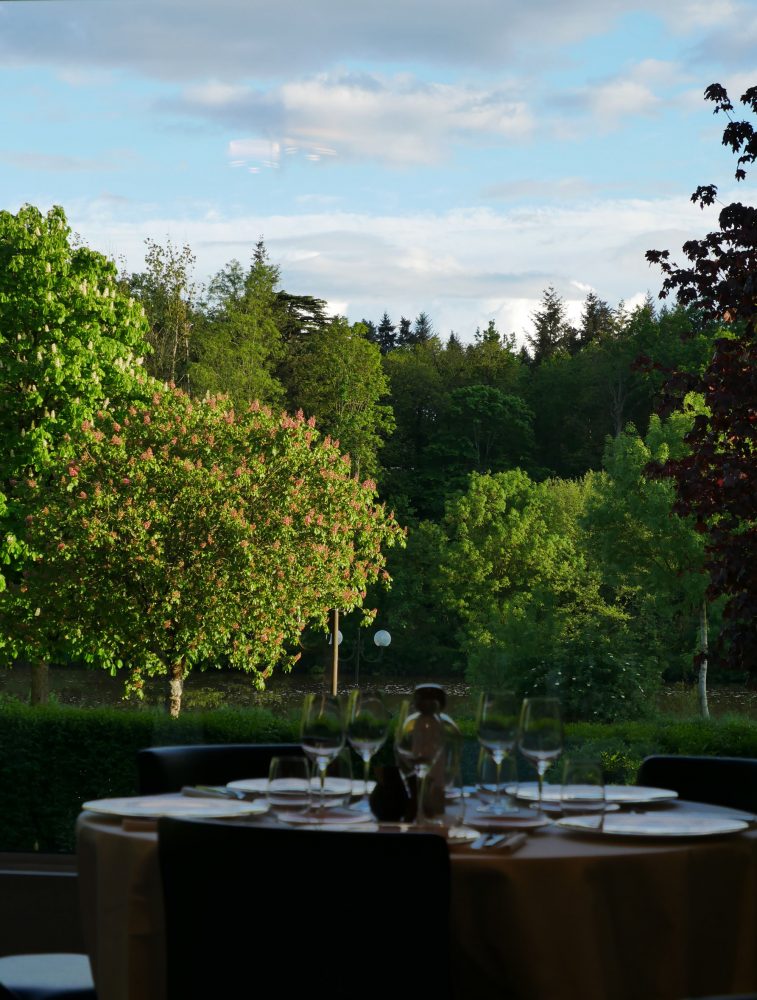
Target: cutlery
column 211, row 792
column 503, row 841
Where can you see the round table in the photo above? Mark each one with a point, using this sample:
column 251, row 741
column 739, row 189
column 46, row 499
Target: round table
column 567, row 917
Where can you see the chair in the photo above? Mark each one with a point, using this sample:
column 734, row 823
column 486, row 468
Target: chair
column 303, row 912
column 719, row 781
column 168, row 769
column 46, row 977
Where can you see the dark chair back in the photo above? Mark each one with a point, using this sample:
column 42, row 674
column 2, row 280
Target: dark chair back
column 169, row 769
column 303, row 912
column 720, row 781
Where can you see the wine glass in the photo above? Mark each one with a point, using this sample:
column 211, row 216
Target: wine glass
column 418, row 743
column 367, row 730
column 497, row 731
column 490, row 779
column 322, row 732
column 540, row 735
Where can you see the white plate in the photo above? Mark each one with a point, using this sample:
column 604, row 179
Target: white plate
column 154, row 806
column 524, row 819
column 333, row 817
column 624, row 795
column 257, row 786
column 658, row 824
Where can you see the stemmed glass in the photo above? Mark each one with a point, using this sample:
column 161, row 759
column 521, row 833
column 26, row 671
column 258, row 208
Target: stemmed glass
column 322, row 733
column 497, row 730
column 418, row 743
column 367, row 730
column 540, row 735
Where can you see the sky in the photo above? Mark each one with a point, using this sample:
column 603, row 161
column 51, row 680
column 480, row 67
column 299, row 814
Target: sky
column 450, row 158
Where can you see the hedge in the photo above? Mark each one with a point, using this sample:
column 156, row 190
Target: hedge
column 54, row 758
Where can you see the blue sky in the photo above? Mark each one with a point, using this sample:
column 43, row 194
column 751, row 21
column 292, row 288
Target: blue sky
column 433, row 156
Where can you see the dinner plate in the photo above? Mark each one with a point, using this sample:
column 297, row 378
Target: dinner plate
column 257, row 786
column 335, row 816
column 624, row 795
column 523, row 819
column 155, row 806
column 657, row 824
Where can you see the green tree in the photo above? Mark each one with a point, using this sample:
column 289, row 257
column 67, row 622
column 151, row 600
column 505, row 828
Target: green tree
column 386, row 334
column 520, row 579
column 166, row 291
column 652, row 560
column 482, row 429
column 182, row 532
column 237, row 344
column 422, row 329
column 71, row 340
column 410, row 480
column 550, row 327
column 337, row 377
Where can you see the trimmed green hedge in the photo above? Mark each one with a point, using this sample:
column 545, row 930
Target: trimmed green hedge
column 52, row 759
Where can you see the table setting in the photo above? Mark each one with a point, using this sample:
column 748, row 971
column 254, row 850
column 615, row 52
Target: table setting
column 557, row 885
column 424, row 789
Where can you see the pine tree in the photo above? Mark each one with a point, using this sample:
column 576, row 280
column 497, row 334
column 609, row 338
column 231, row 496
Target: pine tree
column 387, row 335
column 423, row 331
column 404, row 333
column 550, row 327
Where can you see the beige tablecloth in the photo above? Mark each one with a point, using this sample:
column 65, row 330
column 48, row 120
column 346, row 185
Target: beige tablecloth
column 565, row 918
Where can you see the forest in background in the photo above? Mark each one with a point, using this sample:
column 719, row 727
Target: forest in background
column 539, row 552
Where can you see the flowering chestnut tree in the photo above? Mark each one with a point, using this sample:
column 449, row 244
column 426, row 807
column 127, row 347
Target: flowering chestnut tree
column 181, row 531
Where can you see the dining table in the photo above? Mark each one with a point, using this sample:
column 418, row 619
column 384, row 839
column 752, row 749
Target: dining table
column 566, row 916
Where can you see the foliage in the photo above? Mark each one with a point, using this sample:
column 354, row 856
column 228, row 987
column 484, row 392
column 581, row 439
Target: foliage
column 56, row 758
column 338, row 379
column 715, row 483
column 652, row 560
column 70, row 341
column 166, row 291
column 551, row 329
column 236, row 343
column 529, row 596
column 183, row 530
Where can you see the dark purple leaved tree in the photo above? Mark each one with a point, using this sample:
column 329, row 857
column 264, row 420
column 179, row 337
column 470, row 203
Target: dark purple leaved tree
column 717, row 481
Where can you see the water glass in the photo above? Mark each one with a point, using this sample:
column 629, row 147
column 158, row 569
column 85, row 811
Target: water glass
column 492, row 782
column 288, row 789
column 454, row 790
column 583, row 790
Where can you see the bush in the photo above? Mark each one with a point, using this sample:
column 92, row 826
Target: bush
column 53, row 759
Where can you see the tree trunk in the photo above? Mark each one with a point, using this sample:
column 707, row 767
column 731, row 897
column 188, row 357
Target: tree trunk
column 40, row 686
column 703, row 651
column 175, row 688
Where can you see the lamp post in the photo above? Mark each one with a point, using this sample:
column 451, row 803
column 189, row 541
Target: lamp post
column 381, row 640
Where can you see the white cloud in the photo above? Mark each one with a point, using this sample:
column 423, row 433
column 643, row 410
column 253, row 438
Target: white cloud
column 398, row 120
column 617, row 99
column 463, row 267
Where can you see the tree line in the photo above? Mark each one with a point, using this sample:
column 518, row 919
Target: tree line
column 560, row 533
column 539, row 553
